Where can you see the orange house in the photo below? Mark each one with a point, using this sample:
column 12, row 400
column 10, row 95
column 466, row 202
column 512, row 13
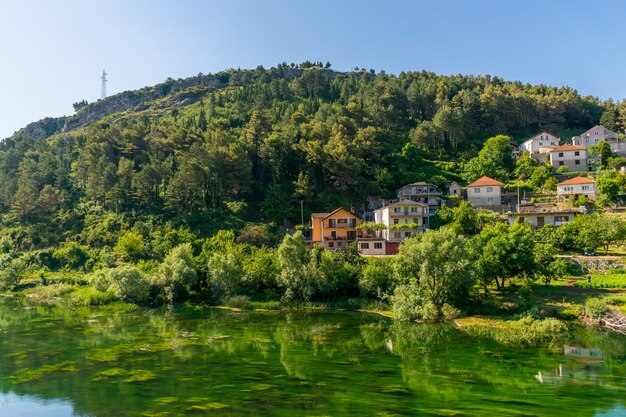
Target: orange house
column 336, row 229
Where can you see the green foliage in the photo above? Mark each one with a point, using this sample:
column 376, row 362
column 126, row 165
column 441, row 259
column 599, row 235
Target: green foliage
column 377, row 280
column 71, row 255
column 494, row 160
column 596, row 308
column 462, row 218
column 130, row 246
column 503, row 252
column 127, row 282
column 610, row 184
column 437, row 266
column 176, row 274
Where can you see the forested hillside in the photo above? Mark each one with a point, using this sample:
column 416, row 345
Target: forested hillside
column 252, row 146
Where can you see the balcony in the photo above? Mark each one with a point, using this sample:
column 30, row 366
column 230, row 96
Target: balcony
column 407, row 214
column 350, row 225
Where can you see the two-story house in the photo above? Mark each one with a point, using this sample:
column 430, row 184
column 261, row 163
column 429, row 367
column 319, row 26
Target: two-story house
column 422, row 192
column 485, row 192
column 573, row 157
column 402, row 219
column 533, row 144
column 336, row 229
column 598, row 134
column 575, row 187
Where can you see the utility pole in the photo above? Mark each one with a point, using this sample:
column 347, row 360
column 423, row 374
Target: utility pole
column 103, row 88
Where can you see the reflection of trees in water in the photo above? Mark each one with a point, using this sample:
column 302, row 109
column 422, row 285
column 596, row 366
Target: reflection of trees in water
column 283, row 360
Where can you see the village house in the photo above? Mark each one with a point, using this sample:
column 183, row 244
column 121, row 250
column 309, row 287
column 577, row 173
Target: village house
column 573, row 157
column 533, row 144
column 454, row 188
column 540, row 219
column 485, row 192
column 422, row 192
column 517, row 152
column 336, row 229
column 575, row 187
column 376, row 246
column 598, row 134
column 402, row 219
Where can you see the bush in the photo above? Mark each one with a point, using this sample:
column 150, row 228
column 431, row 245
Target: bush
column 177, row 273
column 130, row 245
column 406, row 302
column 596, row 308
column 126, row 282
column 377, row 279
column 71, row 255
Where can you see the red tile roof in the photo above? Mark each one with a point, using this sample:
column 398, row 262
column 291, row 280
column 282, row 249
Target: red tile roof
column 322, row 215
column 577, row 180
column 564, row 148
column 485, row 181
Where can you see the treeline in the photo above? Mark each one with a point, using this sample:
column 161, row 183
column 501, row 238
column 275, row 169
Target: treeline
column 441, row 273
column 255, row 150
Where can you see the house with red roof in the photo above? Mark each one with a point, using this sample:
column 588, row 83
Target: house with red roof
column 573, row 157
column 485, row 192
column 575, row 187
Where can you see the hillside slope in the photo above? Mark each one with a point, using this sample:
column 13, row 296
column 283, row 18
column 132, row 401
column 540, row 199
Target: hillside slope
column 216, row 151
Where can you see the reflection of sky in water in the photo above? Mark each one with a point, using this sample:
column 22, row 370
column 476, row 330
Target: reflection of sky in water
column 618, row 411
column 12, row 405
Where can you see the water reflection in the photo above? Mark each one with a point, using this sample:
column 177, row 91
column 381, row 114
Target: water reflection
column 12, row 405
column 208, row 361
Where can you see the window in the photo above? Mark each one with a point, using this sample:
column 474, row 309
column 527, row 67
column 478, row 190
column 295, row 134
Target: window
column 413, row 209
column 396, row 221
column 340, row 244
column 397, row 235
column 577, row 162
column 541, row 143
column 331, row 244
column 417, row 221
column 489, row 200
column 490, row 189
column 477, row 200
column 560, row 154
column 407, row 234
column 378, row 245
column 342, row 221
column 561, row 163
column 365, row 245
column 585, row 188
column 476, row 190
column 397, row 209
column 577, row 153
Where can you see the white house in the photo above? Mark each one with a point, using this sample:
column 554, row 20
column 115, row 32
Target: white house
column 402, row 219
column 575, row 187
column 571, row 156
column 422, row 192
column 485, row 192
column 599, row 134
column 544, row 138
column 540, row 219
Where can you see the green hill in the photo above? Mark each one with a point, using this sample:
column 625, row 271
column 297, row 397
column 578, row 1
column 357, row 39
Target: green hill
column 217, row 151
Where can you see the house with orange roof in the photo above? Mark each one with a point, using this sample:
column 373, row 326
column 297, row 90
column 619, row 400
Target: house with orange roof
column 573, row 157
column 575, row 187
column 598, row 134
column 336, row 229
column 485, row 192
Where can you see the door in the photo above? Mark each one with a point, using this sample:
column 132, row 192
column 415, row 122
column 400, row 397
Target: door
column 540, row 221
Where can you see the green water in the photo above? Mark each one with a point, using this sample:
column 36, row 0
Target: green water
column 89, row 362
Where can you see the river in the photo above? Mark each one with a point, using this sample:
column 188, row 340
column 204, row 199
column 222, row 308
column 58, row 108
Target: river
column 205, row 361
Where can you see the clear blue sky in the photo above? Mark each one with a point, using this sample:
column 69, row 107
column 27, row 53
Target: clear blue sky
column 52, row 52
